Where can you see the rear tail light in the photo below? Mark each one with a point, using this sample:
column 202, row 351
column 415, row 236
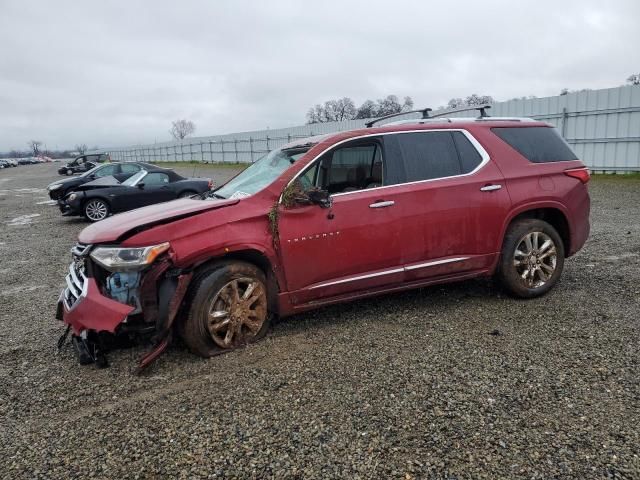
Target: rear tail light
column 210, row 184
column 583, row 174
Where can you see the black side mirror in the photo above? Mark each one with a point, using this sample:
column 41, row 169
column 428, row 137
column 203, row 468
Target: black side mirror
column 320, row 197
column 141, row 186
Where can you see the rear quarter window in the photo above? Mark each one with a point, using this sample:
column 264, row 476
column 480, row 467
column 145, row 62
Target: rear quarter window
column 537, row 144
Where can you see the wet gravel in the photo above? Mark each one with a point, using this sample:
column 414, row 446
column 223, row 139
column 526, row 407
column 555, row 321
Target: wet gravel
column 453, row 381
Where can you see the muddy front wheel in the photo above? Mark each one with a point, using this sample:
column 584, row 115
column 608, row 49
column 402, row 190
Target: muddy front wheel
column 228, row 309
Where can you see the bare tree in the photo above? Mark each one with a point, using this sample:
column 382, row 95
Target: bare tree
column 81, row 148
column 180, row 129
column 35, row 145
column 470, row 101
column 564, row 91
column 345, row 109
column 634, row 79
column 332, row 111
column 368, row 109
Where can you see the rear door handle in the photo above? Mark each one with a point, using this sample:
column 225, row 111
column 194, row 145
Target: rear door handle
column 382, row 204
column 490, row 188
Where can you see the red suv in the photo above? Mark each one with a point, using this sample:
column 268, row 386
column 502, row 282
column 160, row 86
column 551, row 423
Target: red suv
column 330, row 219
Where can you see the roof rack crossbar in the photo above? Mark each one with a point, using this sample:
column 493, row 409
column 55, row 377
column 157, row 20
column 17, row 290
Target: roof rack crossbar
column 481, row 109
column 423, row 111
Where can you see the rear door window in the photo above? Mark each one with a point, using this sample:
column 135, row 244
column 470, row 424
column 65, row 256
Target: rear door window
column 536, row 144
column 426, row 155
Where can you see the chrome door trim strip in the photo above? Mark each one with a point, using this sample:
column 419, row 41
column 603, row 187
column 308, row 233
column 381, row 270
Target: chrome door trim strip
column 390, row 271
column 359, row 277
column 435, row 262
column 483, row 154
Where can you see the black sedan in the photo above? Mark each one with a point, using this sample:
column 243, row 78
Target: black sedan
column 98, row 199
column 120, row 171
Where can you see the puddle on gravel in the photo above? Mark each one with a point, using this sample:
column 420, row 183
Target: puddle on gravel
column 47, row 202
column 23, row 219
column 622, row 256
column 21, row 289
column 29, row 190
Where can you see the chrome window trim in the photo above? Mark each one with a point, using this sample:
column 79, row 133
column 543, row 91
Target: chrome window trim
column 480, row 149
column 391, row 271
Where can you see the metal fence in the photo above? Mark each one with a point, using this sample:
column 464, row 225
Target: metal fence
column 602, row 126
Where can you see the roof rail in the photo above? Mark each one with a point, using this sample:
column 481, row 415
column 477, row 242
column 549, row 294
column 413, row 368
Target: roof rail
column 480, row 108
column 423, row 111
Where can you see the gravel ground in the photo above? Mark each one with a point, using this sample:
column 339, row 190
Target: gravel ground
column 455, row 381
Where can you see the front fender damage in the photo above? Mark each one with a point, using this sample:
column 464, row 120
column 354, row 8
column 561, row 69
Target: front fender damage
column 170, row 295
column 99, row 323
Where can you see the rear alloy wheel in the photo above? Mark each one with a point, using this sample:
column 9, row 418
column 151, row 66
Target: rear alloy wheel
column 69, row 171
column 96, row 210
column 532, row 258
column 228, row 309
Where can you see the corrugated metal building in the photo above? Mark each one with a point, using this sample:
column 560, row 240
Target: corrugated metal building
column 602, row 126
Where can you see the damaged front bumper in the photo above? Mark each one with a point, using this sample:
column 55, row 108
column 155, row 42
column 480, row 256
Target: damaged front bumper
column 93, row 312
column 83, row 307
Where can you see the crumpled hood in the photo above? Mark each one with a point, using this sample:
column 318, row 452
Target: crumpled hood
column 113, row 228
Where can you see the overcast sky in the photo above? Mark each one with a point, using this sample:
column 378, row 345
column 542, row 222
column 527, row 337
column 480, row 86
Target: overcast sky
column 112, row 73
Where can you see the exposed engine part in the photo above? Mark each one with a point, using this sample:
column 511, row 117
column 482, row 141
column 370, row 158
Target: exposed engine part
column 124, row 288
column 90, row 350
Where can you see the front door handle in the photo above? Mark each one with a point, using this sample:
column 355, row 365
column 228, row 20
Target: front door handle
column 382, row 204
column 490, row 188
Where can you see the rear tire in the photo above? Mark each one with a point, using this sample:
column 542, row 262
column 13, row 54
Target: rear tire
column 227, row 308
column 532, row 258
column 95, row 210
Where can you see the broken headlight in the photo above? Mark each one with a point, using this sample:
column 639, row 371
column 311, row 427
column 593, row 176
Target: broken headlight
column 127, row 259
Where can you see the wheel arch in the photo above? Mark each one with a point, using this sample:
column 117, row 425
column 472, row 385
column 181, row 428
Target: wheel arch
column 254, row 257
column 553, row 214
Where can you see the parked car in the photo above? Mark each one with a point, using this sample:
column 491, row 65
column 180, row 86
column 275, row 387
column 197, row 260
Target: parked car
column 97, row 199
column 83, row 163
column 120, row 171
column 6, row 163
column 28, row 161
column 331, row 219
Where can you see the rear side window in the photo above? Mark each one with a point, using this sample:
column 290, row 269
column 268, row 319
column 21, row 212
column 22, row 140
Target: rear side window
column 428, row 155
column 469, row 157
column 536, row 144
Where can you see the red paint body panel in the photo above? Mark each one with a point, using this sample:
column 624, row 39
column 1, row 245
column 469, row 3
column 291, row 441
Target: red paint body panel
column 95, row 312
column 112, row 228
column 437, row 231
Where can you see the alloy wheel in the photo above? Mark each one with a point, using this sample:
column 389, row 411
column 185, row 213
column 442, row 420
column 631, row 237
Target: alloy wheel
column 237, row 312
column 96, row 210
column 535, row 259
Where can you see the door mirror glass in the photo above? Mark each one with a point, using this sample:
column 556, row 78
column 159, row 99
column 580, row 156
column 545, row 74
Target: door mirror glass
column 320, row 197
